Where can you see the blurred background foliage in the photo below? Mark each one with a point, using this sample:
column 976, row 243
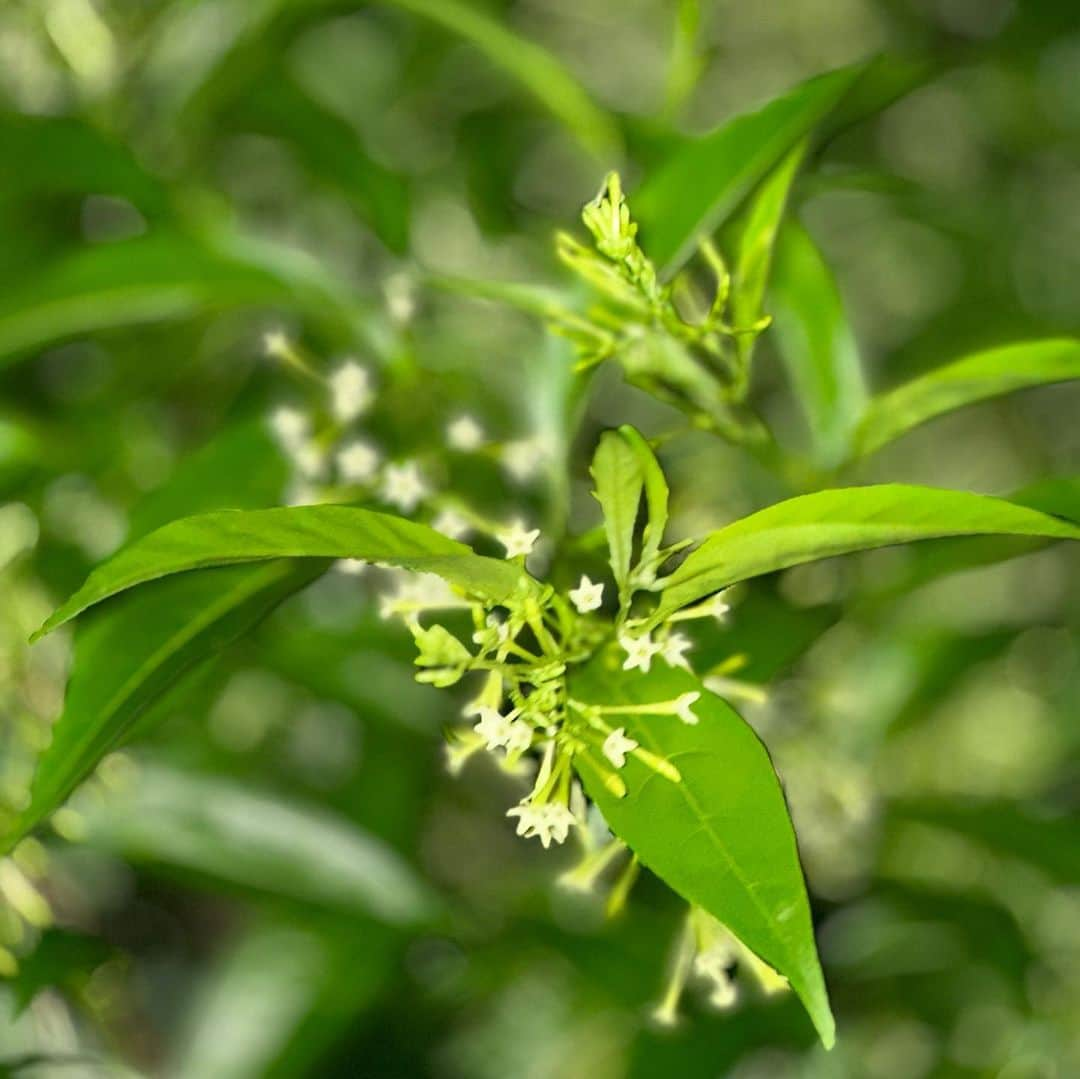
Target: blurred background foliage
column 278, row 878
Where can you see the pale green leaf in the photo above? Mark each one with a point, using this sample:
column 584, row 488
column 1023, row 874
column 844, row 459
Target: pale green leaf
column 616, row 472
column 656, row 493
column 983, row 375
column 841, row 521
column 816, row 344
column 721, row 835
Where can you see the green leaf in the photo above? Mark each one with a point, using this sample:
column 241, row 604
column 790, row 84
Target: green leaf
column 260, row 842
column 541, row 73
column 816, row 344
column 841, row 521
column 319, row 532
column 691, row 195
column 656, row 493
column 750, row 241
column 721, row 836
column 616, row 472
column 983, row 375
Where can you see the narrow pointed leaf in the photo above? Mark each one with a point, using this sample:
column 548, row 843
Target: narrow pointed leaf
column 656, row 492
column 721, row 835
column 319, row 532
column 617, row 474
column 816, row 344
column 978, row 377
column 841, row 521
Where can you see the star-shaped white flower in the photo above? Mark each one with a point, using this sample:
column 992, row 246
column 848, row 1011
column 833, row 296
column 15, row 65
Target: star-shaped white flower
column 493, row 727
column 684, row 707
column 617, row 745
column 518, row 540
column 587, row 596
column 403, row 486
column 674, row 648
column 357, row 462
column 639, row 651
column 309, row 459
column 548, row 822
column 289, row 426
column 519, row 736
column 719, row 607
column 451, row 524
column 464, row 434
column 350, row 391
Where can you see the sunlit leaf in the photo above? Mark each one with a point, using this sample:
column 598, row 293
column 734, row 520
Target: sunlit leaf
column 720, row 836
column 841, row 521
column 978, row 377
column 292, row 532
column 618, row 483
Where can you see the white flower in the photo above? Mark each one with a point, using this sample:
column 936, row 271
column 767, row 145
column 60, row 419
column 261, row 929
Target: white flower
column 451, row 524
column 713, row 963
column 674, row 648
column 548, row 822
column 357, row 462
column 289, row 426
column 719, row 607
column 309, row 459
column 639, row 651
column 493, row 727
column 587, row 596
column 517, row 539
column 403, row 486
column 519, row 737
column 683, row 706
column 302, row 494
column 400, row 300
column 276, row 343
column 524, row 458
column 617, row 745
column 350, row 391
column 465, row 434
column 352, row 567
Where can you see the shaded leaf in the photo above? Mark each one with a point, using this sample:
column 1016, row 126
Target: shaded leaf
column 816, row 344
column 258, row 841
column 983, row 375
